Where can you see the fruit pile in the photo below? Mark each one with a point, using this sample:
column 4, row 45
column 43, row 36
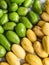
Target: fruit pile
column 24, row 32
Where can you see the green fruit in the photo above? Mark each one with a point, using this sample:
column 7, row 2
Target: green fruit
column 5, row 11
column 27, row 3
column 1, row 29
column 8, row 2
column 37, row 6
column 13, row 37
column 4, row 42
column 22, row 11
column 13, row 7
column 26, row 22
column 2, row 51
column 9, row 26
column 3, row 4
column 1, row 13
column 14, row 17
column 33, row 17
column 18, row 1
column 20, row 30
column 4, row 19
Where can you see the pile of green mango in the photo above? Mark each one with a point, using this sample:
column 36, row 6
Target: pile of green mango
column 15, row 19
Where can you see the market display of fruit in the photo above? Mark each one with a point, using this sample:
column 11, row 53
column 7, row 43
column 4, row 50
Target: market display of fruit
column 24, row 32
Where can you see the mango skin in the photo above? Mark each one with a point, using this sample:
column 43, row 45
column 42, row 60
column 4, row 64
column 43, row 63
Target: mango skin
column 12, row 59
column 18, row 1
column 33, row 59
column 4, row 42
column 4, row 63
column 33, row 17
column 16, row 50
column 12, row 37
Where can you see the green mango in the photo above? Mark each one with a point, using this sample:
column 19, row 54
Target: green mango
column 27, row 3
column 13, row 7
column 37, row 6
column 22, row 11
column 33, row 17
column 12, row 37
column 20, row 30
column 13, row 16
column 18, row 1
column 1, row 29
column 2, row 51
column 5, row 11
column 9, row 26
column 3, row 4
column 26, row 22
column 1, row 13
column 4, row 19
column 4, row 42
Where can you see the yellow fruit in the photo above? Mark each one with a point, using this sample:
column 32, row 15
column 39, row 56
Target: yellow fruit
column 25, row 64
column 39, row 50
column 12, row 59
column 45, row 16
column 18, row 51
column 46, row 61
column 4, row 63
column 31, row 35
column 45, row 28
column 47, row 7
column 38, row 31
column 33, row 59
column 41, row 23
column 45, row 42
column 27, row 45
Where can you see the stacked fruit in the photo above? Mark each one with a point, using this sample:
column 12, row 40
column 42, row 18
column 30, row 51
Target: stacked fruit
column 22, row 23
column 14, row 21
